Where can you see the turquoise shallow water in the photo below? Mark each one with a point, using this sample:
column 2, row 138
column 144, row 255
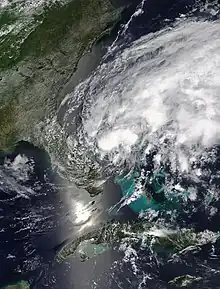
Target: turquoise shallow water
column 71, row 274
column 151, row 194
column 128, row 186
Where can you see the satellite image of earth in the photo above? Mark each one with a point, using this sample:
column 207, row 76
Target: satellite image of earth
column 109, row 144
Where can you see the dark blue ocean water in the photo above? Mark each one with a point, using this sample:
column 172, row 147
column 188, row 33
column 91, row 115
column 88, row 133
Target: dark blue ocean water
column 34, row 222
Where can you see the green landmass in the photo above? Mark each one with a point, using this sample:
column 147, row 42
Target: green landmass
column 39, row 53
column 20, row 285
column 7, row 128
column 167, row 242
column 184, row 280
column 44, row 32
